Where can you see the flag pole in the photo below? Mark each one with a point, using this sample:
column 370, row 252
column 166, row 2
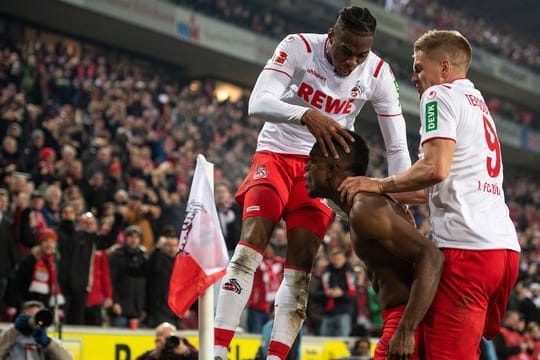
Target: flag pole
column 206, row 300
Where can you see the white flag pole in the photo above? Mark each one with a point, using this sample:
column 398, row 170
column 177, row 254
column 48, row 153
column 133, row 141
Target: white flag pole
column 206, row 300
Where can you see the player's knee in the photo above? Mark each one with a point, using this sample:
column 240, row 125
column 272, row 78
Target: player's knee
column 246, row 259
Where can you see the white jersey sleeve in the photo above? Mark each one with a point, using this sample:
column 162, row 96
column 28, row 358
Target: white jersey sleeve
column 265, row 101
column 438, row 117
column 391, row 122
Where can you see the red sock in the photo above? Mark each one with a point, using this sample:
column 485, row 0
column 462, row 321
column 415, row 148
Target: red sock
column 278, row 349
column 223, row 337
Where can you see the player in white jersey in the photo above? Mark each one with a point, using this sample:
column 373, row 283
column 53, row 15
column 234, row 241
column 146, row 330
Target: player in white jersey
column 461, row 169
column 311, row 90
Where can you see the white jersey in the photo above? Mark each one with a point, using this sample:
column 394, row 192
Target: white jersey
column 467, row 209
column 299, row 76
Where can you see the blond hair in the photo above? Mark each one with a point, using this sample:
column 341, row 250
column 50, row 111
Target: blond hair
column 449, row 44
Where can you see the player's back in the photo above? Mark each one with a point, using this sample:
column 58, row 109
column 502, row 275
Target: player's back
column 391, row 275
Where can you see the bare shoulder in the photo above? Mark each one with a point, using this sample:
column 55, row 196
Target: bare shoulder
column 371, row 212
column 364, row 203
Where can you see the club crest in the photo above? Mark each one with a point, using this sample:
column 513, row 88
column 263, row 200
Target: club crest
column 261, row 173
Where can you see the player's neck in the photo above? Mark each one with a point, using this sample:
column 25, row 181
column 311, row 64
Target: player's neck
column 336, row 196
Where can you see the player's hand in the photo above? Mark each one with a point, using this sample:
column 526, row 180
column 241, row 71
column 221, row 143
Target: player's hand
column 352, row 185
column 401, row 345
column 117, row 309
column 324, row 129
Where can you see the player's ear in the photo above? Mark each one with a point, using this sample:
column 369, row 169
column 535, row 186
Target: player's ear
column 331, row 172
column 445, row 67
column 330, row 35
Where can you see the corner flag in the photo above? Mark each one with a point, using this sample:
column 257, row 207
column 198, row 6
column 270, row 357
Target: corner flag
column 202, row 257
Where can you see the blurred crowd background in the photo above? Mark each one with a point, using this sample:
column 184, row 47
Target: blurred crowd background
column 97, row 154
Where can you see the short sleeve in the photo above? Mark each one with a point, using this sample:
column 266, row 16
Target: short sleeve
column 437, row 116
column 385, row 99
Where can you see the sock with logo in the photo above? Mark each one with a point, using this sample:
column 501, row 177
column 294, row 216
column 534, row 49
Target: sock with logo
column 234, row 293
column 290, row 311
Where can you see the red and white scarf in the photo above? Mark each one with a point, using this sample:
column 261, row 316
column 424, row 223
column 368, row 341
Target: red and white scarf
column 44, row 280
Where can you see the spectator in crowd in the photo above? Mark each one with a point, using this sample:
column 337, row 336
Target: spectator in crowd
column 160, row 265
column 274, row 189
column 337, row 237
column 229, row 214
column 9, row 154
column 25, row 340
column 8, row 256
column 32, row 220
column 527, row 306
column 33, row 150
column 21, row 202
column 141, row 213
column 173, row 209
column 338, row 285
column 37, row 277
column 97, row 192
column 44, row 171
column 68, row 156
column 533, row 333
column 128, row 265
column 265, row 285
column 77, row 245
column 51, row 207
column 315, row 309
column 361, row 349
column 169, row 346
column 454, row 150
column 363, row 319
column 100, row 294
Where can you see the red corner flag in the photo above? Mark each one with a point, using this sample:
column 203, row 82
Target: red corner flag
column 202, row 255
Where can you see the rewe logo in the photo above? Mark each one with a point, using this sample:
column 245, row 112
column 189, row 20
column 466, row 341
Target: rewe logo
column 431, row 116
column 324, row 102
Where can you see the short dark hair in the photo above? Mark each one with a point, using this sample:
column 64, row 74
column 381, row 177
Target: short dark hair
column 356, row 20
column 356, row 161
column 169, row 231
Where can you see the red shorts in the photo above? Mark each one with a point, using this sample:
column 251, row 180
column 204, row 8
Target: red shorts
column 275, row 188
column 391, row 318
column 470, row 302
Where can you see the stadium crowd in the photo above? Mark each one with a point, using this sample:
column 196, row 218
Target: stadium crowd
column 275, row 24
column 96, row 160
column 496, row 37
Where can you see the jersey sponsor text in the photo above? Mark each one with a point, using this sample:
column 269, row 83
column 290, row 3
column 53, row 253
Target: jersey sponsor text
column 321, row 101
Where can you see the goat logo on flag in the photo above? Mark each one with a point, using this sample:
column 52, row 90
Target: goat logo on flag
column 202, row 257
column 193, row 209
